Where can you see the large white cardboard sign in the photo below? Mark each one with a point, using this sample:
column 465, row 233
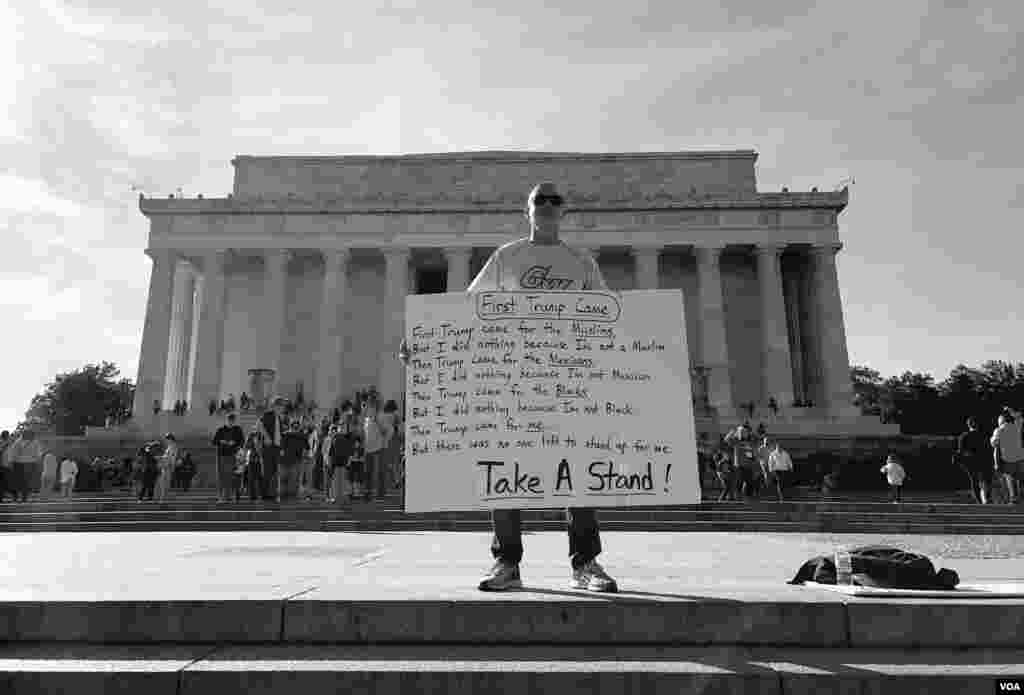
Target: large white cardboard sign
column 529, row 399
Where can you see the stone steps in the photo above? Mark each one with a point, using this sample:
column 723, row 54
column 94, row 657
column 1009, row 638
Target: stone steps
column 457, row 670
column 622, row 644
column 198, row 511
column 218, row 614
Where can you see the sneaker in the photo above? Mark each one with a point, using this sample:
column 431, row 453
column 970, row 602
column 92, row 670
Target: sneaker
column 502, row 577
column 592, row 577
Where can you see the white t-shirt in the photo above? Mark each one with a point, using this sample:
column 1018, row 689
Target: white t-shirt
column 521, row 265
column 50, row 465
column 373, row 438
column 894, row 473
column 1007, row 437
column 779, row 461
column 68, row 470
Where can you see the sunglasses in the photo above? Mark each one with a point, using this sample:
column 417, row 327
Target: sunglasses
column 555, row 200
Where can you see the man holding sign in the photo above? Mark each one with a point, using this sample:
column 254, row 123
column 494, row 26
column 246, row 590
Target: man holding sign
column 543, row 262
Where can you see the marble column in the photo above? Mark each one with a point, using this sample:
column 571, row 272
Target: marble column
column 713, row 343
column 152, row 375
column 810, row 333
column 645, row 267
column 791, row 287
column 178, row 345
column 837, row 386
column 275, row 286
column 210, row 341
column 458, row 267
column 776, row 368
column 197, row 309
column 391, row 370
column 332, row 332
column 187, row 329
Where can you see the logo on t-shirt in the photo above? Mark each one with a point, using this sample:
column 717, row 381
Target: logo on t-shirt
column 538, row 277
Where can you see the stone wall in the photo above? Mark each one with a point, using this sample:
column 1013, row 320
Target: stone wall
column 497, row 176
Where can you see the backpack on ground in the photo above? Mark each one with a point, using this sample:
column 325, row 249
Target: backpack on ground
column 881, row 566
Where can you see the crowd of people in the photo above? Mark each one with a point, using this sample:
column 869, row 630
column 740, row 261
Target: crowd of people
column 291, row 453
column 355, row 452
column 746, row 462
column 994, row 463
column 245, row 403
column 18, row 458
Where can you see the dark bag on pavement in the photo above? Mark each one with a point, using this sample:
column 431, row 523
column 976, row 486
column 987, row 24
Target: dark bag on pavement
column 881, row 566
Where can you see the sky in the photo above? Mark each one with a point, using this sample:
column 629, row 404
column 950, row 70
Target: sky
column 919, row 102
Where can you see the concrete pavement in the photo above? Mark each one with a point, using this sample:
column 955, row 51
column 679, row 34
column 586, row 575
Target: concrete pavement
column 400, row 613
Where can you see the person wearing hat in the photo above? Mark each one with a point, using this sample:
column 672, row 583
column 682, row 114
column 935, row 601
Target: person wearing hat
column 543, row 261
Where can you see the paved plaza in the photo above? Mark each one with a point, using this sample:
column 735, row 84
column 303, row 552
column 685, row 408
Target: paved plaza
column 437, row 565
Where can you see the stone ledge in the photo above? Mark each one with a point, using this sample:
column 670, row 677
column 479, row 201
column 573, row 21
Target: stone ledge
column 706, row 621
column 816, row 622
column 494, row 156
column 564, row 670
column 265, row 205
column 144, row 622
column 913, row 623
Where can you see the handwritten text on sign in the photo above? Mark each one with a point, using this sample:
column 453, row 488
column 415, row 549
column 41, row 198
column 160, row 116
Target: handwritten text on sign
column 548, row 399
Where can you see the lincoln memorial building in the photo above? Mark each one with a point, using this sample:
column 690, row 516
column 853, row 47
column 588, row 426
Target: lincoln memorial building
column 303, row 270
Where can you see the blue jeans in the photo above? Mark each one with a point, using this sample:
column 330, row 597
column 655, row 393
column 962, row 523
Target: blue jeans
column 584, row 535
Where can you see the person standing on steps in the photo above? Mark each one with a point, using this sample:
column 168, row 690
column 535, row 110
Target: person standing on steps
column 271, row 433
column 1008, row 451
column 168, row 460
column 228, row 439
column 543, row 261
column 973, row 457
column 22, row 456
column 895, row 475
column 780, row 466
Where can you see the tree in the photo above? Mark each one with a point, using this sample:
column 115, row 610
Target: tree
column 867, row 389
column 80, row 398
column 916, row 403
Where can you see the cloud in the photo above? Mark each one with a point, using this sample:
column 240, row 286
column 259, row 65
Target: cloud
column 32, row 196
column 920, row 100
